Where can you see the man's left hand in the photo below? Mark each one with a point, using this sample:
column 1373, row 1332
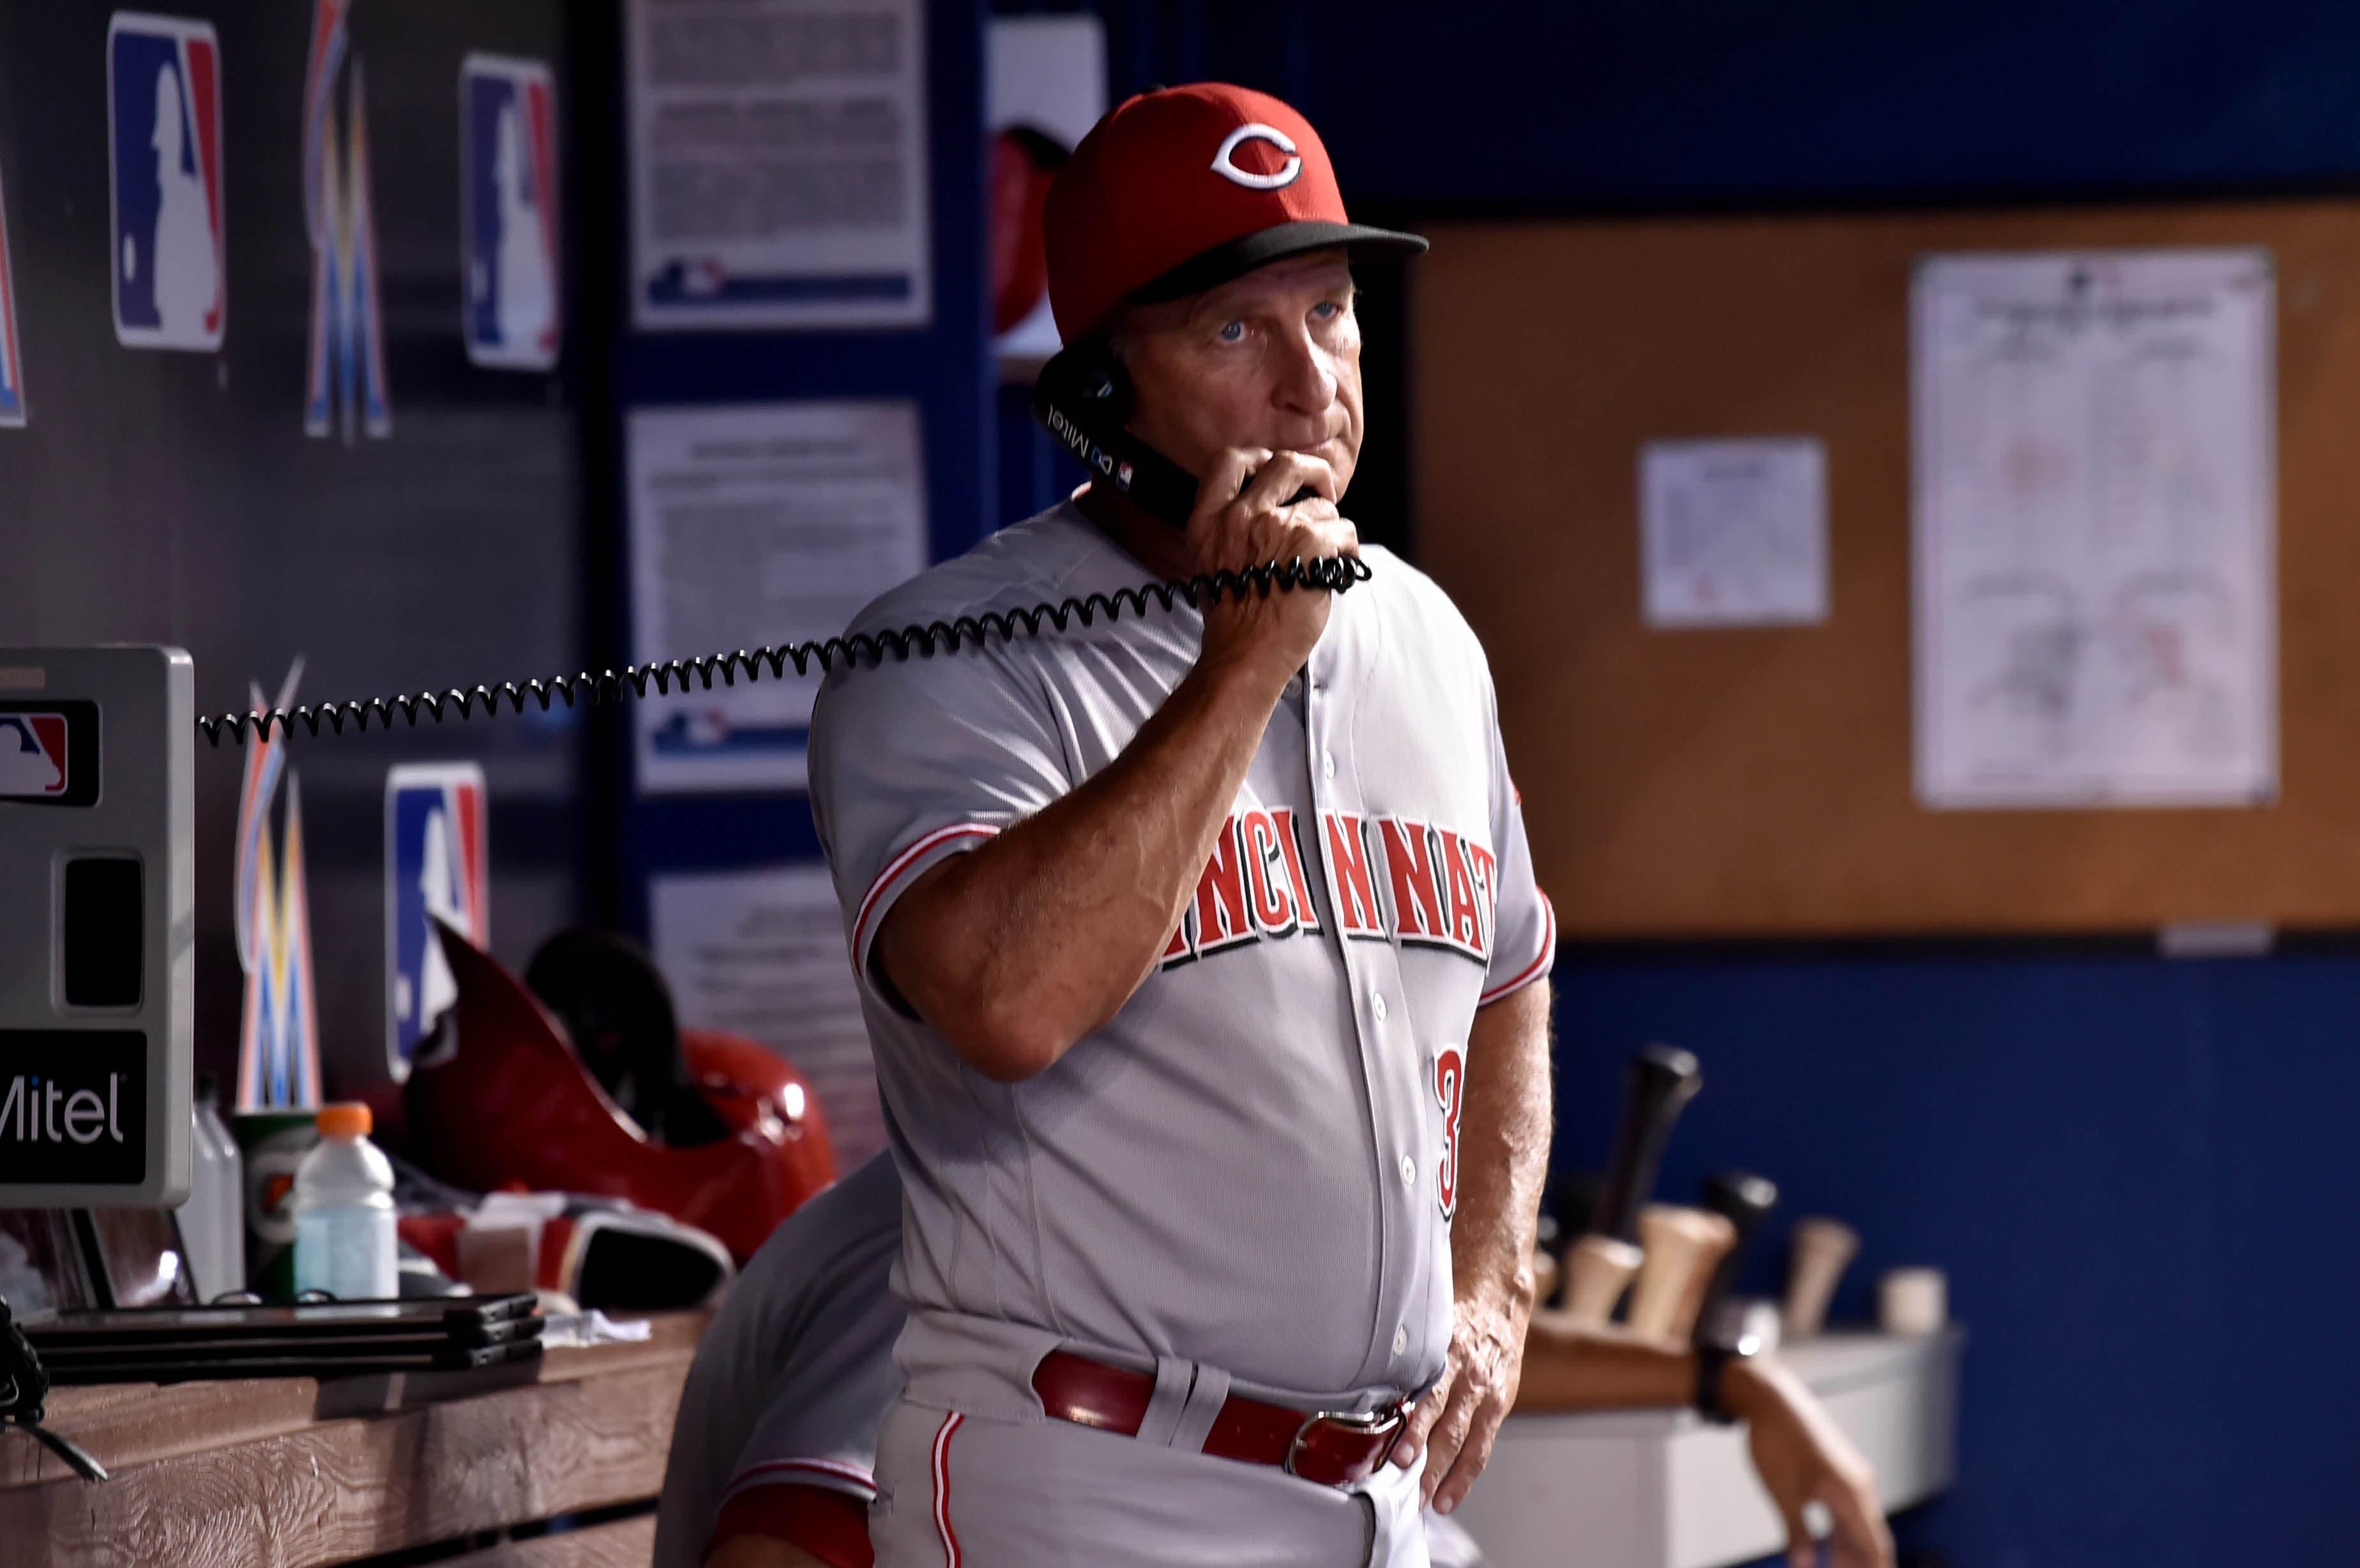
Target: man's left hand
column 1802, row 1458
column 1454, row 1423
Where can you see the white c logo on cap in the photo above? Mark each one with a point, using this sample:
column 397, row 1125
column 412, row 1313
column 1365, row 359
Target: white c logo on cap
column 1225, row 166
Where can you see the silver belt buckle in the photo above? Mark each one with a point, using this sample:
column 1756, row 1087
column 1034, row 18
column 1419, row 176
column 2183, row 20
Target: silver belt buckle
column 1389, row 1419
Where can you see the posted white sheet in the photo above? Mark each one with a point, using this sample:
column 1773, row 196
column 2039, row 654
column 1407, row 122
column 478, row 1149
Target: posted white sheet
column 2094, row 477
column 760, row 953
column 1733, row 533
column 779, row 173
column 753, row 525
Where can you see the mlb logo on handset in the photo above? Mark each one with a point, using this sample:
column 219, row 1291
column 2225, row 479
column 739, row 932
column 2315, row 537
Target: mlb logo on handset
column 508, row 212
column 163, row 91
column 32, row 755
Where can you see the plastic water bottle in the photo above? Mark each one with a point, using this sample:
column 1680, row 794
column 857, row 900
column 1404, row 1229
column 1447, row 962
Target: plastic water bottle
column 344, row 1211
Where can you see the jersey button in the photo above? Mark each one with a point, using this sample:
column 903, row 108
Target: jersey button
column 1401, row 1341
column 1377, row 1005
column 1409, row 1172
column 1327, row 764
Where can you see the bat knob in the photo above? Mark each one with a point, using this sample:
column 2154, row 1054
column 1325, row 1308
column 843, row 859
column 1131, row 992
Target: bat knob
column 1659, row 1081
column 1597, row 1270
column 1740, row 1196
column 1674, row 1070
column 1683, row 1248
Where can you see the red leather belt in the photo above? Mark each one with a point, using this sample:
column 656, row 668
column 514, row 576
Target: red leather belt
column 1332, row 1448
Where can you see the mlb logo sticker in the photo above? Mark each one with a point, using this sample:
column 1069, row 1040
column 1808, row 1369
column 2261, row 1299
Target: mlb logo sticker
column 163, row 95
column 508, row 212
column 32, row 755
column 437, row 866
column 12, row 370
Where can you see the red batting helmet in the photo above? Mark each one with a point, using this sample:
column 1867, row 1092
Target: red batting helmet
column 509, row 1103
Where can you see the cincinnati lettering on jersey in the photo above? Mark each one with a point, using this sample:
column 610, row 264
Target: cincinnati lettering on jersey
column 1443, row 888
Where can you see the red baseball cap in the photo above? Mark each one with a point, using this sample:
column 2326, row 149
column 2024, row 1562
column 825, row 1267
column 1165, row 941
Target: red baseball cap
column 1180, row 189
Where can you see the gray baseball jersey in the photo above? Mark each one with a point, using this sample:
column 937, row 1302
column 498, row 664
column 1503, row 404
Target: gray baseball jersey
column 795, row 1375
column 1252, row 1167
column 796, row 1371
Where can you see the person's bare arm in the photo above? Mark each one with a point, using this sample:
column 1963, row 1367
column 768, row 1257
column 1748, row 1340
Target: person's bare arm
column 1014, row 951
column 1503, row 1144
column 1570, row 1367
column 1799, row 1454
column 758, row 1552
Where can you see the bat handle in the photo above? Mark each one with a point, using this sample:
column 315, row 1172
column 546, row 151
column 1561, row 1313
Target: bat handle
column 1683, row 1325
column 1745, row 1200
column 1597, row 1269
column 1823, row 1248
column 1657, row 1084
column 1683, row 1247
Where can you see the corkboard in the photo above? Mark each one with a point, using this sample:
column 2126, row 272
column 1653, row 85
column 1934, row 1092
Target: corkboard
column 1757, row 781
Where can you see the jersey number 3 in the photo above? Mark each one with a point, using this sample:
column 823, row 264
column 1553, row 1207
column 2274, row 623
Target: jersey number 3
column 1450, row 1093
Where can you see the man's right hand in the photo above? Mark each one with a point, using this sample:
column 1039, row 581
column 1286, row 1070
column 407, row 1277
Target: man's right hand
column 1803, row 1458
column 1233, row 529
column 1015, row 949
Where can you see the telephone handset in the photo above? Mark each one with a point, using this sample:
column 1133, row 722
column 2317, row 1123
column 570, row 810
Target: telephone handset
column 1082, row 396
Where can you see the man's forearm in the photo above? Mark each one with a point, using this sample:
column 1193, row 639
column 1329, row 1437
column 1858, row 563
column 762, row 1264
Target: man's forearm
column 1016, row 950
column 1571, row 1367
column 1800, row 1456
column 1504, row 1146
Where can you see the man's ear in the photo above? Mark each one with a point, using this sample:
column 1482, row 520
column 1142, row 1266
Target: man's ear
column 1116, row 336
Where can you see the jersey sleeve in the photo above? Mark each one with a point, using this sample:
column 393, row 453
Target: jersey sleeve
column 1523, row 926
column 819, row 1431
column 823, row 1523
column 914, row 761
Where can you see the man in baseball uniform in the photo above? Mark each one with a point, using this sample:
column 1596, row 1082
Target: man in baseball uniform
column 776, row 1439
column 774, row 1451
column 1200, row 953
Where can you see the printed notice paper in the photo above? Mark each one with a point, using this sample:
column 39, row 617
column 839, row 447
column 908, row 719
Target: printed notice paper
column 2095, row 529
column 760, row 953
column 1733, row 533
column 778, row 164
column 754, row 524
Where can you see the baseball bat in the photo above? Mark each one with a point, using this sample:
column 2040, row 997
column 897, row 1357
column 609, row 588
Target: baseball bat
column 1743, row 1200
column 1823, row 1248
column 1681, row 1249
column 1657, row 1084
